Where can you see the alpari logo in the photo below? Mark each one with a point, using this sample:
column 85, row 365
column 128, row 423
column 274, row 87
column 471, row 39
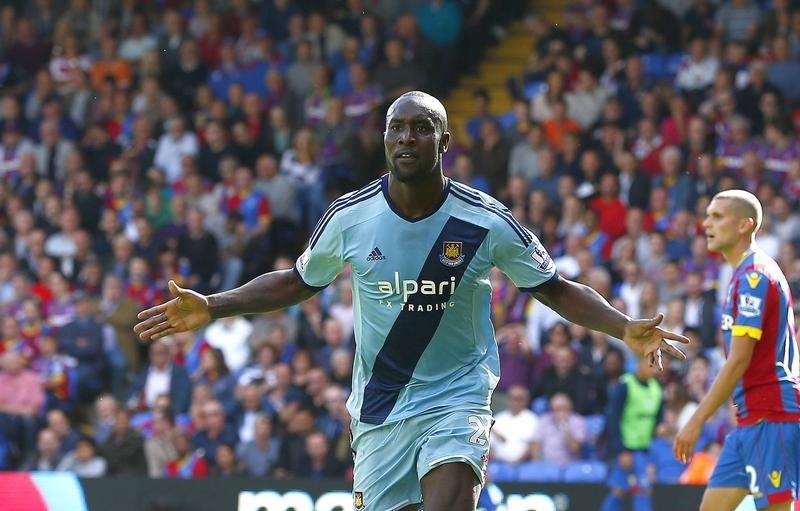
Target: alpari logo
column 406, row 288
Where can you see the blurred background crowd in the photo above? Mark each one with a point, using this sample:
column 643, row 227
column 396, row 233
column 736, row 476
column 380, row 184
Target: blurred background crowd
column 200, row 141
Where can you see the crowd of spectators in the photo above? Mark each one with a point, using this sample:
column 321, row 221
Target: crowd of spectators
column 195, row 141
column 201, row 140
column 627, row 119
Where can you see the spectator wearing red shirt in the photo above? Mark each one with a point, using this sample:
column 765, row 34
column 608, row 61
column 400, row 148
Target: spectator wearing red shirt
column 140, row 287
column 675, row 128
column 610, row 208
column 250, row 203
column 189, row 464
column 647, row 147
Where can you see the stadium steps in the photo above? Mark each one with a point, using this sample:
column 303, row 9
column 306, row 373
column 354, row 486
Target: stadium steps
column 500, row 62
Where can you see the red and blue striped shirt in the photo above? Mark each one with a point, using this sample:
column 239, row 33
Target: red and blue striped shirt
column 759, row 305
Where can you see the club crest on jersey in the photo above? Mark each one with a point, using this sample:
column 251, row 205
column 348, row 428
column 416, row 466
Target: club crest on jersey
column 358, row 500
column 749, row 305
column 775, row 478
column 452, row 254
column 753, row 278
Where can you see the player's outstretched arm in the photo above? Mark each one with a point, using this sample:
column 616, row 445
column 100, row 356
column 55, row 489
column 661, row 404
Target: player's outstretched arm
column 189, row 309
column 583, row 305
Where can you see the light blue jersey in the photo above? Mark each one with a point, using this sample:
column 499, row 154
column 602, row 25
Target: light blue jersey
column 421, row 294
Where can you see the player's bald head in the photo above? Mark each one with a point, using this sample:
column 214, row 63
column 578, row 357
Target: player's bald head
column 744, row 204
column 429, row 104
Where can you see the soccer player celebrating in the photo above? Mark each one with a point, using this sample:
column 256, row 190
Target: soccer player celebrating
column 420, row 248
column 761, row 456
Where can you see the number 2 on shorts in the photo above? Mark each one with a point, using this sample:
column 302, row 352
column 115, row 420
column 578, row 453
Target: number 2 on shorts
column 751, row 471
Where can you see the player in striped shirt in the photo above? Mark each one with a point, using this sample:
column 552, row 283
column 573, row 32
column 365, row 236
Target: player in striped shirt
column 761, row 455
column 420, row 248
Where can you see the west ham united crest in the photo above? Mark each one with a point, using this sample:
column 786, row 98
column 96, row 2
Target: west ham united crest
column 358, row 500
column 452, row 255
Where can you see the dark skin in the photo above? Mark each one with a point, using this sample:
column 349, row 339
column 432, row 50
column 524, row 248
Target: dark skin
column 415, row 140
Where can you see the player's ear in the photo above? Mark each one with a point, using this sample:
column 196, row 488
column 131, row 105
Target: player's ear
column 747, row 225
column 444, row 142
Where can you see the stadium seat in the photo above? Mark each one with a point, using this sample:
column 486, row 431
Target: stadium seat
column 668, row 469
column 540, row 405
column 673, row 62
column 585, row 472
column 595, row 426
column 661, row 66
column 531, row 89
column 507, row 120
column 501, row 472
column 538, row 472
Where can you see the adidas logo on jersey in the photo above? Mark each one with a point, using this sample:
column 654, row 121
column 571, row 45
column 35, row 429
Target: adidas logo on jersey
column 376, row 255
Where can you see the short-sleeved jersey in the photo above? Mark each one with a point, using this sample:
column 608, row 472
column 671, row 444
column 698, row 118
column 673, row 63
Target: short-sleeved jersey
column 759, row 305
column 421, row 294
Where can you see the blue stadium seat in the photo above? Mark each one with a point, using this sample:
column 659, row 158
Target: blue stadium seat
column 595, row 426
column 585, row 472
column 661, row 66
column 501, row 472
column 507, row 120
column 652, row 64
column 673, row 63
column 531, row 89
column 538, row 472
column 668, row 469
column 540, row 405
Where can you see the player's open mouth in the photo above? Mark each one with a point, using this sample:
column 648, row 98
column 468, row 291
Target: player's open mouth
column 405, row 156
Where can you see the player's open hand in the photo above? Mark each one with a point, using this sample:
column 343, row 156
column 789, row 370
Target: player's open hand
column 187, row 311
column 647, row 339
column 685, row 440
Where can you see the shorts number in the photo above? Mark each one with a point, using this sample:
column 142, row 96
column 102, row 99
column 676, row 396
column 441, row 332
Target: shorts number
column 751, row 471
column 480, row 436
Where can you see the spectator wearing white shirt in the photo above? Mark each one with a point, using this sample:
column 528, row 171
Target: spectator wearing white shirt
column 539, row 318
column 173, row 146
column 61, row 244
column 698, row 68
column 586, row 102
column 631, row 288
column 158, row 378
column 138, row 41
column 230, row 335
column 514, row 428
